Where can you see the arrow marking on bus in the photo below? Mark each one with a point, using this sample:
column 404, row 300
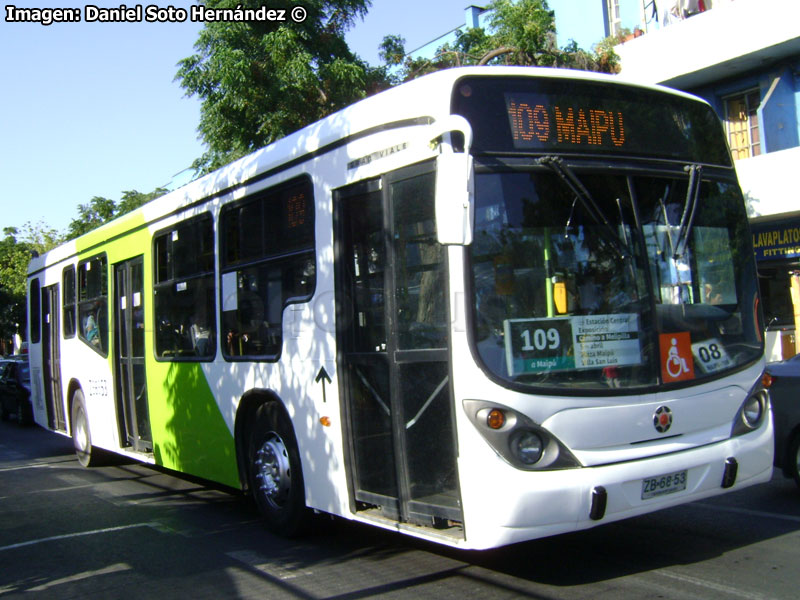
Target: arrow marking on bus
column 323, row 376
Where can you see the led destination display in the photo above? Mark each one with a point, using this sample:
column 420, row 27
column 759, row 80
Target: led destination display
column 534, row 122
column 553, row 116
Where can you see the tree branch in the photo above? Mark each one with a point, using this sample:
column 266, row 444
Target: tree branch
column 494, row 54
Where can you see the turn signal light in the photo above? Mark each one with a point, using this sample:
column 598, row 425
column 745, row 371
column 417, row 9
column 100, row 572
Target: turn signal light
column 325, row 421
column 766, row 380
column 496, row 419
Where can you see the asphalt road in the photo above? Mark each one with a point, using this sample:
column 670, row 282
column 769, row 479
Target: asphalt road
column 130, row 531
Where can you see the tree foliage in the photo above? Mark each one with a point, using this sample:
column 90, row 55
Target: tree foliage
column 260, row 81
column 16, row 249
column 521, row 32
column 101, row 210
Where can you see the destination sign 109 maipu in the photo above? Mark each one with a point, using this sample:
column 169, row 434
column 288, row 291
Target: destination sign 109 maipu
column 535, row 123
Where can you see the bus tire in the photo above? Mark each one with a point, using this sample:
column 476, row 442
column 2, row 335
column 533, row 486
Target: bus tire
column 274, row 471
column 81, row 436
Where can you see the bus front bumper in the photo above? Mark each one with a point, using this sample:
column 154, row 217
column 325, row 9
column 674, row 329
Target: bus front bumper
column 531, row 505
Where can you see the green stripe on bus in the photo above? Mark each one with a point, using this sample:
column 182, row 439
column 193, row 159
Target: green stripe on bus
column 189, row 433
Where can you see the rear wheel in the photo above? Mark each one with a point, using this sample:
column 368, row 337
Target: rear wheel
column 274, row 471
column 81, row 436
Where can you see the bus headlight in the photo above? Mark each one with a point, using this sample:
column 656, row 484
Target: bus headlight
column 753, row 412
column 517, row 439
column 527, row 446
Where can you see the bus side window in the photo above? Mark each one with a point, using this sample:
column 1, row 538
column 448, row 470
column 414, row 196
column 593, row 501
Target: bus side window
column 93, row 303
column 184, row 291
column 68, row 292
column 268, row 261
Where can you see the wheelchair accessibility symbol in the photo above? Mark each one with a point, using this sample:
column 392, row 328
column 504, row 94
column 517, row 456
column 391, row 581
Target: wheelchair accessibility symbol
column 677, row 362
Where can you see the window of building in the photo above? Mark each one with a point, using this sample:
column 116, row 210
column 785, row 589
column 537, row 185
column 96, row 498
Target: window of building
column 93, row 303
column 267, row 262
column 614, row 21
column 185, row 306
column 741, row 122
column 68, row 295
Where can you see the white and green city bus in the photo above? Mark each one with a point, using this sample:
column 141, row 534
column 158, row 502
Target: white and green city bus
column 485, row 306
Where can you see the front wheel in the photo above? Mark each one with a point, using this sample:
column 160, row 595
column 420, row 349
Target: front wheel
column 274, row 471
column 81, row 436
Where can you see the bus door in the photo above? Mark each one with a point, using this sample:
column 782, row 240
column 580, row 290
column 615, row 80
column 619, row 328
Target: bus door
column 131, row 385
column 392, row 323
column 51, row 359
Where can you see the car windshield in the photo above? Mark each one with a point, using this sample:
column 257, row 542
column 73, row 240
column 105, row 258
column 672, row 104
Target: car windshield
column 25, row 372
column 597, row 280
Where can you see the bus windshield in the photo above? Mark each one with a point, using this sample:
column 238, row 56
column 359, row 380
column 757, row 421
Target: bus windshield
column 593, row 279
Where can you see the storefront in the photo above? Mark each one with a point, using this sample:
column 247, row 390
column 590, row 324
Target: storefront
column 777, row 247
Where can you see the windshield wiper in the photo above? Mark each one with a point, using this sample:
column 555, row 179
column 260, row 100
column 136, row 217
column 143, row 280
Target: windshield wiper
column 689, row 208
column 557, row 166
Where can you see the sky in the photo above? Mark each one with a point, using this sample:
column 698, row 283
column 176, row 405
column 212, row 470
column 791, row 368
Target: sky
column 92, row 109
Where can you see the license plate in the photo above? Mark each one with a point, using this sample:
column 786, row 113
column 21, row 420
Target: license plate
column 663, row 484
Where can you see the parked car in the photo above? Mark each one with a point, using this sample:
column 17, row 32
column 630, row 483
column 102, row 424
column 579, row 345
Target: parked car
column 15, row 390
column 785, row 396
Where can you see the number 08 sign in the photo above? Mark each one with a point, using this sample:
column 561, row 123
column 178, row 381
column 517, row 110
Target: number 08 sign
column 681, row 359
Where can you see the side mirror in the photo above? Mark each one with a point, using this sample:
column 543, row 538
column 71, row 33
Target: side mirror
column 454, row 203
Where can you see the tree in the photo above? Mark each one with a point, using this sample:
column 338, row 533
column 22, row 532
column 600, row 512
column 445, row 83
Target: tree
column 525, row 32
column 520, row 33
column 97, row 211
column 37, row 238
column 100, row 210
column 131, row 200
column 259, row 80
column 16, row 250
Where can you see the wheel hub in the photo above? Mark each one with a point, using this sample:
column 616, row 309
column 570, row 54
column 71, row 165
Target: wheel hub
column 273, row 474
column 81, row 437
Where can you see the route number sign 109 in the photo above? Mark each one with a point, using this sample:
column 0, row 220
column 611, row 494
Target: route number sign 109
column 536, row 345
column 573, row 342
